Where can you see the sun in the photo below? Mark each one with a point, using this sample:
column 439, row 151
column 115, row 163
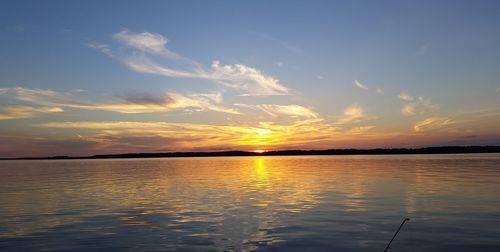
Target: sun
column 259, row 151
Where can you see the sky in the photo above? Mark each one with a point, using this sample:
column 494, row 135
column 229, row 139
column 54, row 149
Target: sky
column 96, row 77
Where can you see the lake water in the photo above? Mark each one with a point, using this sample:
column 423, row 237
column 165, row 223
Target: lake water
column 301, row 203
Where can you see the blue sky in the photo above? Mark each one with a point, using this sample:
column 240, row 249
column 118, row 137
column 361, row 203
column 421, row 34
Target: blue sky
column 264, row 74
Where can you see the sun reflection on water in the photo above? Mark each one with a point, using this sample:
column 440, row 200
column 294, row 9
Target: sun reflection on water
column 231, row 203
column 261, row 172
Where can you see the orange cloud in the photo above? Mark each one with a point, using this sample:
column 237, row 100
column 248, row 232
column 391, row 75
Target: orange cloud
column 16, row 112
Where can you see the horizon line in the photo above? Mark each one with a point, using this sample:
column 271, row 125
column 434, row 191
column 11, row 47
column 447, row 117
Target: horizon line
column 343, row 151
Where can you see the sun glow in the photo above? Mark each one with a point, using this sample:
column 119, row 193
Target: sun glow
column 259, row 151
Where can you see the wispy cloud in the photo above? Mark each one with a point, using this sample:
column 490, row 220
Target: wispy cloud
column 416, row 105
column 204, row 135
column 360, row 85
column 360, row 130
column 17, row 112
column 479, row 113
column 279, row 63
column 292, row 48
column 145, row 41
column 99, row 46
column 38, row 96
column 151, row 43
column 143, row 64
column 461, row 122
column 131, row 104
column 405, row 97
column 167, row 103
column 408, row 109
column 432, row 123
column 352, row 114
column 275, row 110
column 201, row 102
column 248, row 80
column 182, row 135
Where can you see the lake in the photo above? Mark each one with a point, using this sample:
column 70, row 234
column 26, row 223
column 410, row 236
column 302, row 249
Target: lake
column 295, row 203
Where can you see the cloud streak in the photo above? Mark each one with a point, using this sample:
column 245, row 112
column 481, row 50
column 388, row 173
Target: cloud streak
column 265, row 134
column 131, row 104
column 248, row 80
column 275, row 110
column 432, row 123
column 360, row 85
column 17, row 112
column 292, row 48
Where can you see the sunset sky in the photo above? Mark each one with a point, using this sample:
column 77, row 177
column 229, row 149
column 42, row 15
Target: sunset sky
column 95, row 77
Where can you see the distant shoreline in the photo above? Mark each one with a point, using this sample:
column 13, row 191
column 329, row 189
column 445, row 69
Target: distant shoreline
column 378, row 151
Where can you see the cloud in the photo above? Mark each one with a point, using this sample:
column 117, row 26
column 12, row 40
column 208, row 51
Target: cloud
column 294, row 111
column 43, row 97
column 100, row 47
column 186, row 133
column 292, row 48
column 310, row 132
column 16, row 112
column 142, row 98
column 201, row 102
column 408, row 109
column 498, row 90
column 359, row 130
column 405, row 97
column 418, row 105
column 148, row 42
column 268, row 134
column 462, row 122
column 142, row 64
column 152, row 43
column 131, row 104
column 432, row 123
column 479, row 113
column 352, row 114
column 279, row 63
column 167, row 103
column 248, row 80
column 360, row 85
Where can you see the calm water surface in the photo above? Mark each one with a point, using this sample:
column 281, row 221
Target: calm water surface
column 310, row 203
